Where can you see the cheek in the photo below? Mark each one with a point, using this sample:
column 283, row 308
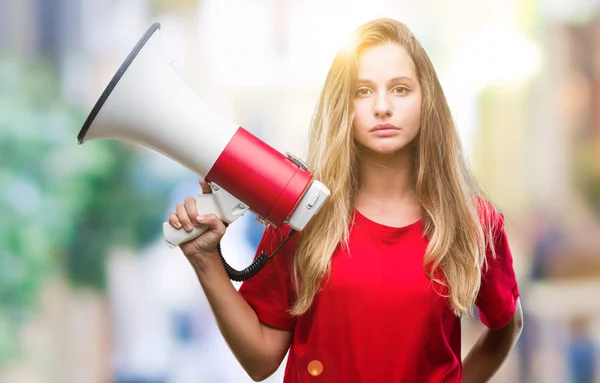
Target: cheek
column 410, row 114
column 416, row 111
column 361, row 120
column 415, row 120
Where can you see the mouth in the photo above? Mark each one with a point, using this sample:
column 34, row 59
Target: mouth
column 383, row 127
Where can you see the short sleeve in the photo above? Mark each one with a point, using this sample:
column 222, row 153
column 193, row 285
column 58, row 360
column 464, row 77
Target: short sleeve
column 499, row 290
column 270, row 291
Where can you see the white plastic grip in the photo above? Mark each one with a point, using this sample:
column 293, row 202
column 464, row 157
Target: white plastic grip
column 176, row 237
column 220, row 203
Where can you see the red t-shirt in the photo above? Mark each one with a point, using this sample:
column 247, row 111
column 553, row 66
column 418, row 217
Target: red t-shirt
column 378, row 318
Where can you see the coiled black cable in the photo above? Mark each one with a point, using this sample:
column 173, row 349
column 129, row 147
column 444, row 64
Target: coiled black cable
column 256, row 266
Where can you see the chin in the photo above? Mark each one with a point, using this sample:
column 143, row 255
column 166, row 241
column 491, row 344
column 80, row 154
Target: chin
column 386, row 148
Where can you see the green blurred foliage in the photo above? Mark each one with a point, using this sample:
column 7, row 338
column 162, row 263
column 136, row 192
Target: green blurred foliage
column 63, row 205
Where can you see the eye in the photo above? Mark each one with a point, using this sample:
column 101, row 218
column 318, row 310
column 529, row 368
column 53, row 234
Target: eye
column 401, row 90
column 363, row 92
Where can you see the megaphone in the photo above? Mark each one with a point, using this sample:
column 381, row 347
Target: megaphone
column 147, row 103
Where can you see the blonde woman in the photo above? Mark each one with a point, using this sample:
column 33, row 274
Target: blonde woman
column 374, row 289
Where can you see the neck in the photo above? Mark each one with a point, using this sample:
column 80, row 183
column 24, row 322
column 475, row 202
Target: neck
column 387, row 180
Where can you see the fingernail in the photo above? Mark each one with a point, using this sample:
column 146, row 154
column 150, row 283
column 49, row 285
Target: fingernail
column 188, row 227
column 177, row 225
column 200, row 218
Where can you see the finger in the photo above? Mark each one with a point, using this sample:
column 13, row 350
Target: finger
column 184, row 219
column 174, row 220
column 192, row 209
column 205, row 187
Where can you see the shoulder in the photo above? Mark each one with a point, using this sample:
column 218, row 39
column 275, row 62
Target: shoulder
column 492, row 220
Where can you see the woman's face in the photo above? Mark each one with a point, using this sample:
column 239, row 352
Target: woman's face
column 387, row 100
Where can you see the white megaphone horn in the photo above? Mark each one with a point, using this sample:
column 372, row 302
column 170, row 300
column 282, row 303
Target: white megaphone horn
column 147, row 103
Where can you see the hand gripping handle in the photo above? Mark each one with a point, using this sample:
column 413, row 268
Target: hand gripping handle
column 228, row 209
column 206, row 204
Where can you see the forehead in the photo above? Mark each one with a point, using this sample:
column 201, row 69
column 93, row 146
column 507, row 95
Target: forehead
column 386, row 61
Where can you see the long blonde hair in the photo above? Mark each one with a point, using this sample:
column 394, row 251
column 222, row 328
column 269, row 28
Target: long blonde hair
column 447, row 192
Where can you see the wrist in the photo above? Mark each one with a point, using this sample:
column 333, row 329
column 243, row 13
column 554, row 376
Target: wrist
column 205, row 262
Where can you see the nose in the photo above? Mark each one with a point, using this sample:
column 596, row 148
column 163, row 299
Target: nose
column 382, row 107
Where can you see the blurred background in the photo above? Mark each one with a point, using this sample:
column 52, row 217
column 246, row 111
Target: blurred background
column 89, row 292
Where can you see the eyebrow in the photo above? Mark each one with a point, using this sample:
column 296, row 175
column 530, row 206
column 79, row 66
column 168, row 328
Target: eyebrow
column 395, row 79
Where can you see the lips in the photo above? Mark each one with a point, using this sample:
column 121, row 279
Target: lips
column 379, row 127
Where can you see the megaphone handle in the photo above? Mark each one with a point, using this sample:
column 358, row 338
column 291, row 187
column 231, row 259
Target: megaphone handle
column 176, row 237
column 206, row 204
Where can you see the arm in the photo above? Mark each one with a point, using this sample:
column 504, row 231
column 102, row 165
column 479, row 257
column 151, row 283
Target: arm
column 491, row 349
column 258, row 347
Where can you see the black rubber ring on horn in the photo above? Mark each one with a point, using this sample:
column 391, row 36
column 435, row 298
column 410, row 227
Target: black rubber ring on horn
column 113, row 82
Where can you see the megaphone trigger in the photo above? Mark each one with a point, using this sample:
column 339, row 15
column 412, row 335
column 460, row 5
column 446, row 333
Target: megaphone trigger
column 229, row 206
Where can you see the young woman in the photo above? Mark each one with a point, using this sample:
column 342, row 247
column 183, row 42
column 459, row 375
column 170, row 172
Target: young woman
column 374, row 288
